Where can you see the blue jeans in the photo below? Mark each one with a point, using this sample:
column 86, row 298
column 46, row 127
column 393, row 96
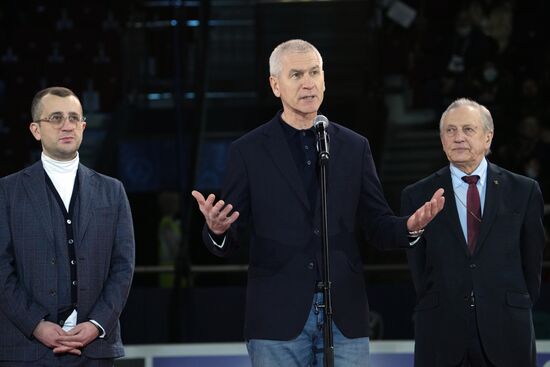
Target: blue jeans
column 306, row 350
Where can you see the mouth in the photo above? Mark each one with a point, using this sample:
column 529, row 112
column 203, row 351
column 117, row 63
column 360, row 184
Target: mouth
column 308, row 98
column 66, row 139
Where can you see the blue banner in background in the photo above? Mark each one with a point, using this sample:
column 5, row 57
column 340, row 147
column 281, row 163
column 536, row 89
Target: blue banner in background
column 377, row 360
column 150, row 165
column 383, row 354
column 202, row 361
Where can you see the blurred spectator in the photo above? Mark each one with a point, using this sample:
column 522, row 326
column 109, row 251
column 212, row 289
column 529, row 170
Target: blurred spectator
column 101, row 56
column 485, row 85
column 170, row 247
column 2, row 97
column 530, row 101
column 91, row 98
column 55, row 56
column 455, row 59
column 9, row 56
column 526, row 51
column 110, row 23
column 495, row 19
column 4, row 129
column 64, row 23
column 528, row 154
column 468, row 46
column 492, row 86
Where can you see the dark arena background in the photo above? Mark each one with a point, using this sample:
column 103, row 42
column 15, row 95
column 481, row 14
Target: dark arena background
column 166, row 86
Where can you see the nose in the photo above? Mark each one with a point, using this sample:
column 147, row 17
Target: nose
column 308, row 82
column 67, row 125
column 459, row 135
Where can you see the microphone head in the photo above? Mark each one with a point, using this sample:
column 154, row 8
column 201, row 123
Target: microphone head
column 320, row 121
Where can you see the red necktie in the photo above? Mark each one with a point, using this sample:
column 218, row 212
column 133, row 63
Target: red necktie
column 473, row 209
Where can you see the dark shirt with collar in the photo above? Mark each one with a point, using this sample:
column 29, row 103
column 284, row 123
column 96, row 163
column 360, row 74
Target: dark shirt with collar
column 302, row 147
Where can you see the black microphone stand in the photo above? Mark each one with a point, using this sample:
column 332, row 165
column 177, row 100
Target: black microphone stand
column 327, row 298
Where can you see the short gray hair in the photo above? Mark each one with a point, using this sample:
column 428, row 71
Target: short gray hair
column 294, row 45
column 486, row 118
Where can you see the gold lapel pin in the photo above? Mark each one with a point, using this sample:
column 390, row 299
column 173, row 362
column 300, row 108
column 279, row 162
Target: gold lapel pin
column 496, row 182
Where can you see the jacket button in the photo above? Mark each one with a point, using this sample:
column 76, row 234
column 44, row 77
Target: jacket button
column 473, row 266
column 52, row 292
column 311, row 265
column 316, row 232
column 52, row 261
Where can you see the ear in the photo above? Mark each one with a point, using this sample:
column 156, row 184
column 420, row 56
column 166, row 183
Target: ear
column 274, row 82
column 34, row 127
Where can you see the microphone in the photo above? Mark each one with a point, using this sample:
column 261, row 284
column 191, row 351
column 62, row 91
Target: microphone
column 320, row 123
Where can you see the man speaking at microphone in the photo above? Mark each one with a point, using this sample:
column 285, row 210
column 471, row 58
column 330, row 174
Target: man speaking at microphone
column 271, row 188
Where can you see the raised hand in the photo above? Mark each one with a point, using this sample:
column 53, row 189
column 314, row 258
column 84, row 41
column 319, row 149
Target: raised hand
column 424, row 215
column 216, row 215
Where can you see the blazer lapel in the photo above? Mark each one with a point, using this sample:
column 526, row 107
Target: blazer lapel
column 449, row 210
column 279, row 151
column 87, row 188
column 34, row 183
column 490, row 208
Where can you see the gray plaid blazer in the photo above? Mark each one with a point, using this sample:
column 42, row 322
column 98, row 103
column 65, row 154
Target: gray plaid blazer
column 105, row 252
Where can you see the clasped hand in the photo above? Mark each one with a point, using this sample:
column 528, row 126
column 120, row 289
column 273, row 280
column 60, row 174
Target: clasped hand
column 61, row 341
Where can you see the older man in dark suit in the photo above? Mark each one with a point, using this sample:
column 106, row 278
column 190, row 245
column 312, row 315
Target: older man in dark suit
column 272, row 184
column 66, row 249
column 477, row 267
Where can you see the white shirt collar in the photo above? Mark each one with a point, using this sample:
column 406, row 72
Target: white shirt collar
column 480, row 171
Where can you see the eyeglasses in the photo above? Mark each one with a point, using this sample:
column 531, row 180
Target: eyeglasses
column 56, row 119
column 453, row 130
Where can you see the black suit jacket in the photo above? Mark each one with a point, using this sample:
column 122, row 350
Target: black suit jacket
column 504, row 272
column 264, row 185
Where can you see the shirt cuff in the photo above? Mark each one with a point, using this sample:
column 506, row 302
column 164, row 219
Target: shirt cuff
column 217, row 239
column 413, row 240
column 100, row 328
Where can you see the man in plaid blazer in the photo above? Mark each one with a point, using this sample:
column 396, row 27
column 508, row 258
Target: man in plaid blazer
column 66, row 249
